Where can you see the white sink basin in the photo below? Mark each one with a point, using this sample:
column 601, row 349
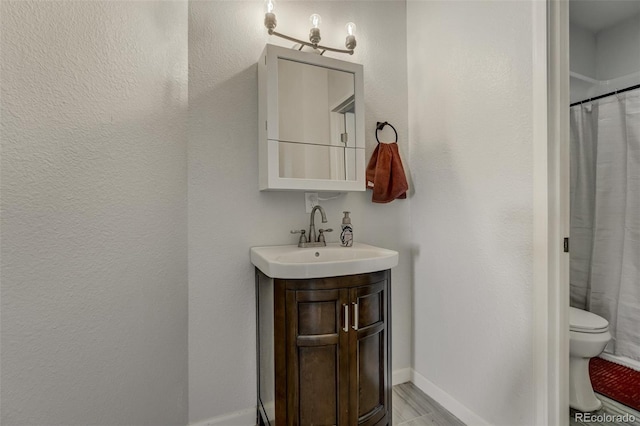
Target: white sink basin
column 318, row 262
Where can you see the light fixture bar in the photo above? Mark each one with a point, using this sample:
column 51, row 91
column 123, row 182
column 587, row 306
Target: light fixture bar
column 270, row 23
column 306, row 43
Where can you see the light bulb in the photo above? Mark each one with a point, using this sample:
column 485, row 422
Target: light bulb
column 350, row 42
column 314, row 32
column 315, row 20
column 269, row 5
column 270, row 17
column 351, row 28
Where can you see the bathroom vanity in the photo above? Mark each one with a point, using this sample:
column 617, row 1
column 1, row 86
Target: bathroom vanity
column 324, row 342
column 324, row 350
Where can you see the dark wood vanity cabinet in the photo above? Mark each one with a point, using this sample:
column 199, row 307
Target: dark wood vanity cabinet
column 329, row 351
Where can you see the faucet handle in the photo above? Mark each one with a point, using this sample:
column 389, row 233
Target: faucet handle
column 303, row 237
column 321, row 236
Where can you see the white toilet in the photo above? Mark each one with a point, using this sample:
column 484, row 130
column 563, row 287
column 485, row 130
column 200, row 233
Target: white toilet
column 588, row 336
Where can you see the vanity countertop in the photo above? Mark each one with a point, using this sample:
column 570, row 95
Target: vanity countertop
column 292, row 262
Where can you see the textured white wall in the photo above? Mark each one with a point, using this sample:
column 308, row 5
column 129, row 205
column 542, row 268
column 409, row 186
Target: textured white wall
column 227, row 213
column 94, row 179
column 470, row 132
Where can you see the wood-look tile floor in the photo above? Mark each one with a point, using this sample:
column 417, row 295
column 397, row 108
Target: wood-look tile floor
column 610, row 408
column 412, row 407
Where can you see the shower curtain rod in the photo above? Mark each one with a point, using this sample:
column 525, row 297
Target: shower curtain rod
column 637, row 86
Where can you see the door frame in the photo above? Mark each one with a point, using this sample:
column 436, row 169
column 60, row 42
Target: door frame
column 551, row 210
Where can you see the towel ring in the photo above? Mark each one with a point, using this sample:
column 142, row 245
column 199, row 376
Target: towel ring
column 380, row 126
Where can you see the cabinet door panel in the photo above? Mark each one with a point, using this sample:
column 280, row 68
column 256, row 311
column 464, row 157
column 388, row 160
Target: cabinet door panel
column 371, row 307
column 317, row 318
column 371, row 377
column 369, row 385
column 317, row 357
column 318, row 385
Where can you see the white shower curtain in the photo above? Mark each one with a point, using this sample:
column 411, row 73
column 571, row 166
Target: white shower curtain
column 605, row 215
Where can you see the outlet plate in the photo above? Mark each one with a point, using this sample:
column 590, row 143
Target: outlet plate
column 310, row 201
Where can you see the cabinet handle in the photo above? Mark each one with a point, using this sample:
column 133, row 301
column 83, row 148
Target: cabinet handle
column 355, row 316
column 345, row 328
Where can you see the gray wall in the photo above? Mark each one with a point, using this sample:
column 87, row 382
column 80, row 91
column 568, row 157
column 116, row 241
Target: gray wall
column 470, row 128
column 94, row 237
column 610, row 55
column 617, row 51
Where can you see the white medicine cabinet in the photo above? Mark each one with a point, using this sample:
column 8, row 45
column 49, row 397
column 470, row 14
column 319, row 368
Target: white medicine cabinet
column 310, row 121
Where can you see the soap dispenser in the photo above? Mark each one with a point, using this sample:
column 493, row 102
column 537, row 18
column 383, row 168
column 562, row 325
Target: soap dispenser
column 346, row 235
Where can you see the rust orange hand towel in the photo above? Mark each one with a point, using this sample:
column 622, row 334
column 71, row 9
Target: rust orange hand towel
column 385, row 174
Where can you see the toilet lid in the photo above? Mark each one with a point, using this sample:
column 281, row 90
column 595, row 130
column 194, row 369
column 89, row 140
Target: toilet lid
column 585, row 321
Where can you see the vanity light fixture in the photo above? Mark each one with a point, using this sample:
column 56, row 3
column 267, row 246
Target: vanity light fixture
column 314, row 33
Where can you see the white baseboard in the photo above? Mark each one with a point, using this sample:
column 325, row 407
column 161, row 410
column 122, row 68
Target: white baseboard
column 401, row 376
column 447, row 401
column 246, row 417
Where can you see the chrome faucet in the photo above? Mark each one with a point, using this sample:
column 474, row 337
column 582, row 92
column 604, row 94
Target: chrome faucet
column 313, row 240
column 312, row 225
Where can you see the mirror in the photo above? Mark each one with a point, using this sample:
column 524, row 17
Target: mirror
column 311, row 107
column 310, row 100
column 316, row 117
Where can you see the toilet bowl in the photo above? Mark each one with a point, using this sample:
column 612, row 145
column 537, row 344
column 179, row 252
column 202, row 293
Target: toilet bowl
column 588, row 336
